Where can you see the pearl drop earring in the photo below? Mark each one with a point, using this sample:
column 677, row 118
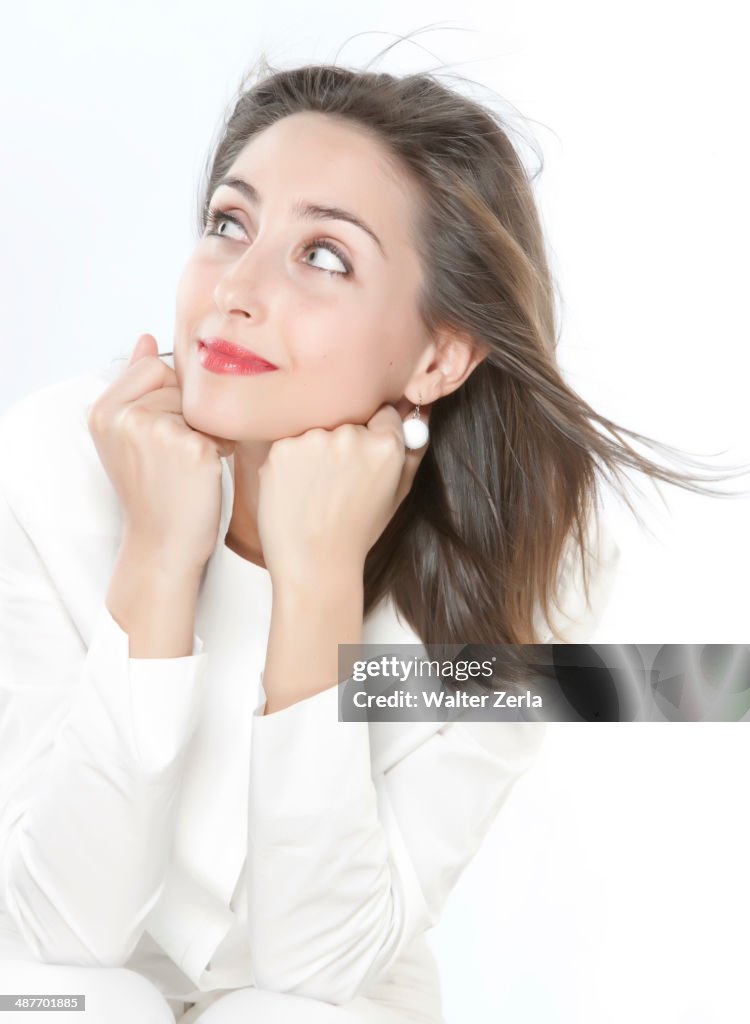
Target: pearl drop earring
column 416, row 431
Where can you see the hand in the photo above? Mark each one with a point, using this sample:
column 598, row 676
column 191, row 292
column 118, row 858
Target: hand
column 166, row 475
column 326, row 496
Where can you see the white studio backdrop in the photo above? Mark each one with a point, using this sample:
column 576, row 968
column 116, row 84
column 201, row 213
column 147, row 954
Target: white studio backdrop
column 606, row 890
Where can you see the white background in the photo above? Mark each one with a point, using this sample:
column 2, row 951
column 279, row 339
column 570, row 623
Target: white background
column 613, row 887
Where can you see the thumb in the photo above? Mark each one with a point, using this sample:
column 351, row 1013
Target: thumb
column 145, row 346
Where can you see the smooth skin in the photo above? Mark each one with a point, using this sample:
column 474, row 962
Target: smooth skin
column 319, row 460
column 345, row 344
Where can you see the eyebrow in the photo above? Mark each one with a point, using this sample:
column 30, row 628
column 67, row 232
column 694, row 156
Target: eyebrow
column 302, row 210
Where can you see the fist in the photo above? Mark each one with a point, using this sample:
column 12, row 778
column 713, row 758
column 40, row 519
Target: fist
column 167, row 475
column 326, row 496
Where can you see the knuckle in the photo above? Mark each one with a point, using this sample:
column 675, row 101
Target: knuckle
column 347, row 432
column 278, row 447
column 132, row 418
column 95, row 418
column 388, row 445
column 162, row 429
column 196, row 446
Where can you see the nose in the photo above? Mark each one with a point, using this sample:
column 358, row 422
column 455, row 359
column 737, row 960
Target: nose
column 237, row 290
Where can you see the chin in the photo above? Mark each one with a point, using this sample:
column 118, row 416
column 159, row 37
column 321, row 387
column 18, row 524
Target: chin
column 195, row 416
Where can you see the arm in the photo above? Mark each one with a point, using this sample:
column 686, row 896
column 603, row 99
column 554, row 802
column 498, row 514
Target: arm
column 91, row 748
column 153, row 603
column 310, row 616
column 344, row 870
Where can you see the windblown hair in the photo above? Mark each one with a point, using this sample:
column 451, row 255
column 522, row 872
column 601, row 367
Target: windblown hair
column 512, row 469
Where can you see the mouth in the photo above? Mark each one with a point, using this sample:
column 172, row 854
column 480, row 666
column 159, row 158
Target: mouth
column 221, row 356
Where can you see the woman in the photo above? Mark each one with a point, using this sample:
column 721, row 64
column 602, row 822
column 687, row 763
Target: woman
column 173, row 841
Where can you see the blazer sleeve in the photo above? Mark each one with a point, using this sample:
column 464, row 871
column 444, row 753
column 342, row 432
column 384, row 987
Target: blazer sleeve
column 345, row 868
column 91, row 748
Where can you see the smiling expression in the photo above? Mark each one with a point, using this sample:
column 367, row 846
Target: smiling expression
column 308, row 260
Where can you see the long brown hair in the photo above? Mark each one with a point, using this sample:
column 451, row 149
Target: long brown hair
column 512, row 470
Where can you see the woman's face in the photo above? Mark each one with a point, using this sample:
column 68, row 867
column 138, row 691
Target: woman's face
column 342, row 330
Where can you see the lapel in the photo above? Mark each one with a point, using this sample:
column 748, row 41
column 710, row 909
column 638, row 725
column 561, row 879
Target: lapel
column 211, row 826
column 78, row 540
column 73, row 516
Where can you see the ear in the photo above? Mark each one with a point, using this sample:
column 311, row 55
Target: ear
column 451, row 359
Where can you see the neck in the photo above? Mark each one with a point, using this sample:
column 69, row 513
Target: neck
column 242, row 534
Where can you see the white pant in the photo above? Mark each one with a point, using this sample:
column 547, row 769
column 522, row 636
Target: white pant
column 117, row 995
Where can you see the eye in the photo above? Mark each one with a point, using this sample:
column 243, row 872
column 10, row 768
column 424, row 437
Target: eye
column 324, row 243
column 217, row 218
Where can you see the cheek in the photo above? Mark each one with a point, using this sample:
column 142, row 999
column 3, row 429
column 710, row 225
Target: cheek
column 342, row 350
column 191, row 288
column 346, row 374
column 193, row 297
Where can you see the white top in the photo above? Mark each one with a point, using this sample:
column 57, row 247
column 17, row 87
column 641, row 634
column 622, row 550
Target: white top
column 152, row 816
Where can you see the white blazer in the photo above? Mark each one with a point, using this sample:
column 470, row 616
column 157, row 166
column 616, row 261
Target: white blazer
column 138, row 795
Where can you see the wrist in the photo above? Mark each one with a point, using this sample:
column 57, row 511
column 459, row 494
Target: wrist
column 310, row 618
column 167, row 566
column 318, row 593
column 154, row 601
column 314, row 586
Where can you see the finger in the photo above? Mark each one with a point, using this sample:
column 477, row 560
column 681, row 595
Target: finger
column 169, row 400
column 387, row 418
column 386, row 421
column 143, row 373
column 164, row 399
column 145, row 346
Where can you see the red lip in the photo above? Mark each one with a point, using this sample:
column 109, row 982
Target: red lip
column 236, row 352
